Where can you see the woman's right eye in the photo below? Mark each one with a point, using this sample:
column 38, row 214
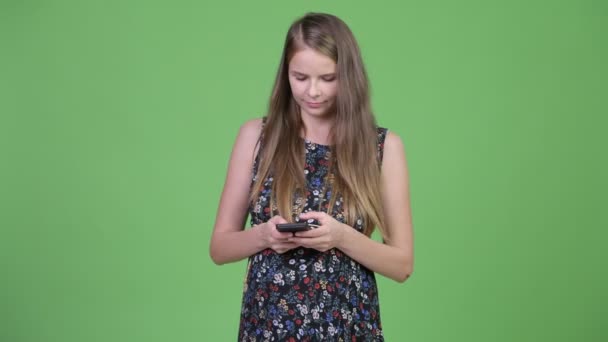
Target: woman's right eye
column 300, row 78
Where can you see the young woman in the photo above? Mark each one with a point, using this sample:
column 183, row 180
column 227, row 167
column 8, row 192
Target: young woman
column 318, row 157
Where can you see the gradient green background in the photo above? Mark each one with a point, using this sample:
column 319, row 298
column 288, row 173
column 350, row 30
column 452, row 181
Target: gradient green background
column 118, row 117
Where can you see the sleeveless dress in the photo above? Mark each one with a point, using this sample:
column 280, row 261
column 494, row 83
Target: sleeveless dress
column 304, row 294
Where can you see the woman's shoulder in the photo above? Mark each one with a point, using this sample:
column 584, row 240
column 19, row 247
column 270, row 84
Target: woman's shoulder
column 250, row 130
column 253, row 124
column 386, row 135
column 248, row 137
column 392, row 147
column 388, row 141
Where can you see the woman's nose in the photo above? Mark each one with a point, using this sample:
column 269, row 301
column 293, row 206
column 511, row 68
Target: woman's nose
column 313, row 90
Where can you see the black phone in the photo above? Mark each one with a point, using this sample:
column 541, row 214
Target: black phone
column 293, row 227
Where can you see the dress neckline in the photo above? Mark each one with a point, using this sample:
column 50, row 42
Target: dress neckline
column 312, row 143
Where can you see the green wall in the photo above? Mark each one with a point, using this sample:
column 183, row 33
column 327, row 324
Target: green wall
column 117, row 119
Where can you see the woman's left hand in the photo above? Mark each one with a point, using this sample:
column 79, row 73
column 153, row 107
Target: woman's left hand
column 328, row 235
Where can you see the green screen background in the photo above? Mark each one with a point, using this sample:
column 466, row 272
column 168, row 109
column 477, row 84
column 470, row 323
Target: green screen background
column 118, row 118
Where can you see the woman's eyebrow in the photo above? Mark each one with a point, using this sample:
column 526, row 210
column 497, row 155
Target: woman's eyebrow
column 303, row 74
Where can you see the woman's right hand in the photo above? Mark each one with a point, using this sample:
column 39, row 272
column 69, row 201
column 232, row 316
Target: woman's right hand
column 274, row 239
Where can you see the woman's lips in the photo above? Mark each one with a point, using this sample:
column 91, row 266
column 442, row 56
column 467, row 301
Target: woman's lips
column 314, row 104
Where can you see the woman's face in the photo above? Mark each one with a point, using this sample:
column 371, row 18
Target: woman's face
column 313, row 81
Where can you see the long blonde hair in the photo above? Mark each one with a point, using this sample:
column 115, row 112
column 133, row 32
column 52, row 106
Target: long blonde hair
column 354, row 133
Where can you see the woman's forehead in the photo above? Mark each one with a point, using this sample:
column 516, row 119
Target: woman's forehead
column 310, row 62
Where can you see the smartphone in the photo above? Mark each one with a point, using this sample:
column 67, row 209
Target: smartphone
column 293, row 227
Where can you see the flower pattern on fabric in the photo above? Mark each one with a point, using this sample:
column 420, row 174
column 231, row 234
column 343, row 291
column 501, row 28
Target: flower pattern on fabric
column 304, row 294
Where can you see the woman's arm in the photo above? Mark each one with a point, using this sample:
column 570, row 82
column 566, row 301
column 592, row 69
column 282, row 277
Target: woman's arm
column 229, row 242
column 394, row 258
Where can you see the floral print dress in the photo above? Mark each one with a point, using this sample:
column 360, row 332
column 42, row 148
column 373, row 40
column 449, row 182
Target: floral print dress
column 304, row 294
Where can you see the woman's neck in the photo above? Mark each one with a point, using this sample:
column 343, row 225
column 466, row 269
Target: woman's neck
column 318, row 129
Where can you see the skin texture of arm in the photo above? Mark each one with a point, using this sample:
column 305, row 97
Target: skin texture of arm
column 229, row 242
column 395, row 257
